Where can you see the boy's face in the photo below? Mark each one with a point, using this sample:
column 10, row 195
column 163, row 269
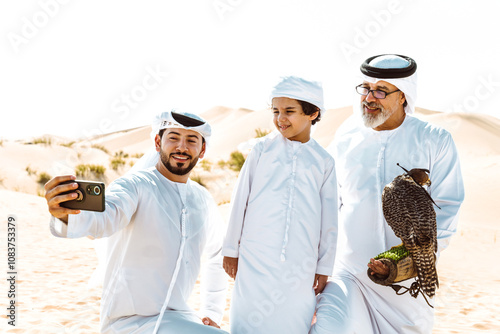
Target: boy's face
column 290, row 120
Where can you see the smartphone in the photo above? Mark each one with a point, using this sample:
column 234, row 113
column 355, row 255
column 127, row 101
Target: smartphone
column 90, row 196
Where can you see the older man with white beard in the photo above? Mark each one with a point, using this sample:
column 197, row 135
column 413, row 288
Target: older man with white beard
column 367, row 148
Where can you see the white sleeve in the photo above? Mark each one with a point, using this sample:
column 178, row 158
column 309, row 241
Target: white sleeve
column 239, row 203
column 58, row 228
column 447, row 190
column 329, row 223
column 121, row 203
column 332, row 149
column 213, row 276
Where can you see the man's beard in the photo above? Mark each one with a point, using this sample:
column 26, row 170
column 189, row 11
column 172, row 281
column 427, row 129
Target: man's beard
column 374, row 120
column 176, row 170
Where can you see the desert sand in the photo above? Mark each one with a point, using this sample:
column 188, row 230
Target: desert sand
column 52, row 289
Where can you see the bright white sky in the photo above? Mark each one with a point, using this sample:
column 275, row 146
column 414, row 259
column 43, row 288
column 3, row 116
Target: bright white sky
column 77, row 68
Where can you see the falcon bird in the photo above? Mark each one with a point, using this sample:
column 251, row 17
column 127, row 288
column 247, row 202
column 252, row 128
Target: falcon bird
column 408, row 209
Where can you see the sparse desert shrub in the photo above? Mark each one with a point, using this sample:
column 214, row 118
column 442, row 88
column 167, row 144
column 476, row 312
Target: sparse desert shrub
column 198, row 179
column 261, row 132
column 137, row 155
column 81, row 170
column 121, row 154
column 86, row 170
column 101, row 147
column 206, row 165
column 236, row 161
column 97, row 169
column 43, row 178
column 222, row 164
column 30, row 171
column 117, row 163
column 69, row 144
column 42, row 140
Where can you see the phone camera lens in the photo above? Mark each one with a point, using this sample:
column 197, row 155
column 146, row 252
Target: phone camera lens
column 97, row 190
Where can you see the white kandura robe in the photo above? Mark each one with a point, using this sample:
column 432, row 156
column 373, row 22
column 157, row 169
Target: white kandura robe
column 366, row 162
column 142, row 223
column 284, row 207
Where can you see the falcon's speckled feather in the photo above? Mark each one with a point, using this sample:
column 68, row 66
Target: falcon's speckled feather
column 409, row 211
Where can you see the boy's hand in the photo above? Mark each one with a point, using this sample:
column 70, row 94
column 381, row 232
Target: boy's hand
column 209, row 322
column 319, row 283
column 230, row 265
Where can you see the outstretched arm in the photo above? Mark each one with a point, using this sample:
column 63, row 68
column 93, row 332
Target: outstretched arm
column 121, row 204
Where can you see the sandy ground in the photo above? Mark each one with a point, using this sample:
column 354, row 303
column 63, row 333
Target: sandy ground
column 52, row 273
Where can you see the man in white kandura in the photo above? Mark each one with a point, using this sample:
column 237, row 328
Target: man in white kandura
column 366, row 157
column 157, row 224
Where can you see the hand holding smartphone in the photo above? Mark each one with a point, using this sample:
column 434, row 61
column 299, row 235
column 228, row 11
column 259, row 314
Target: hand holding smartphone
column 90, row 196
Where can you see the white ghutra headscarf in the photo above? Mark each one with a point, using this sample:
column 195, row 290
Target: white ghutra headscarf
column 300, row 89
column 397, row 70
column 173, row 119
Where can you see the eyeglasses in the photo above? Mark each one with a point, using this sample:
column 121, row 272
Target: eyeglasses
column 378, row 94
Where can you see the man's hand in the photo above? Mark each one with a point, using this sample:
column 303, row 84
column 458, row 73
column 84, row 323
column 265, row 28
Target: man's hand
column 209, row 322
column 230, row 265
column 319, row 283
column 378, row 267
column 53, row 190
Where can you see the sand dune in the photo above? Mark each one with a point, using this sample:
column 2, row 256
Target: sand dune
column 132, row 141
column 53, row 273
column 474, row 134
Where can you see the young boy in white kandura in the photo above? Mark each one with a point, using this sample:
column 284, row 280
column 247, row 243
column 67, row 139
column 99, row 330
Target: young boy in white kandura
column 281, row 239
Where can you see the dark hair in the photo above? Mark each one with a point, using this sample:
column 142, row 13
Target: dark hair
column 309, row 109
column 160, row 133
